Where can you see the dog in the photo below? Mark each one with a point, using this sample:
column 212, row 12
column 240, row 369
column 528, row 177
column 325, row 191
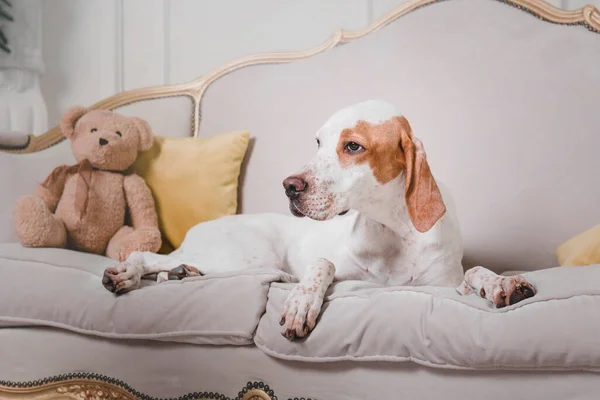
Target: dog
column 372, row 211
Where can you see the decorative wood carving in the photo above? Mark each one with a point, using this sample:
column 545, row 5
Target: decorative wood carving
column 97, row 387
column 587, row 16
column 76, row 390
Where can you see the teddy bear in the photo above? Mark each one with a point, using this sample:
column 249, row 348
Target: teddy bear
column 86, row 206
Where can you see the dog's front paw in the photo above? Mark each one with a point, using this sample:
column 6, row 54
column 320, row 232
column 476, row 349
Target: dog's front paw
column 501, row 291
column 300, row 311
column 122, row 278
column 303, row 305
column 513, row 289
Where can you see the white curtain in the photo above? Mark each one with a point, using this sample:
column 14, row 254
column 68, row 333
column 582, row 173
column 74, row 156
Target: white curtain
column 22, row 106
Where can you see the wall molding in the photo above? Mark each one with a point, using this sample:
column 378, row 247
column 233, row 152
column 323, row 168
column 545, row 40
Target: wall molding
column 119, row 48
column 166, row 42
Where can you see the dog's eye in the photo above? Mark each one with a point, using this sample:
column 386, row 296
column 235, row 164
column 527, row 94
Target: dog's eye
column 353, row 147
column 119, row 133
column 318, row 143
column 94, row 130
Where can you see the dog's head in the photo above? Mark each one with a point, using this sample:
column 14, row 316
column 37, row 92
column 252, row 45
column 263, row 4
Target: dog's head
column 362, row 151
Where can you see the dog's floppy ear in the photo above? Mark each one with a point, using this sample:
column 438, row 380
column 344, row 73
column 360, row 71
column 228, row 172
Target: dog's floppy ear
column 69, row 119
column 423, row 197
column 145, row 132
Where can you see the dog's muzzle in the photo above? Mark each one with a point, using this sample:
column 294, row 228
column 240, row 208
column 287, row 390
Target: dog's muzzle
column 294, row 186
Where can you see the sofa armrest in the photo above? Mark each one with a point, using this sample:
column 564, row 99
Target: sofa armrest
column 11, row 140
column 20, row 174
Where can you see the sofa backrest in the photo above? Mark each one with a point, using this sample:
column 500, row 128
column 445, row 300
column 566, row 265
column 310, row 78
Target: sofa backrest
column 507, row 105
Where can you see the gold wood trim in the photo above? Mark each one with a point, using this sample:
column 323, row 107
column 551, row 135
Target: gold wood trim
column 256, row 394
column 587, row 15
column 91, row 389
column 80, row 389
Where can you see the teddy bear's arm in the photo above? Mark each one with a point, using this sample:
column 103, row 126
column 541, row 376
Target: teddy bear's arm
column 51, row 189
column 140, row 202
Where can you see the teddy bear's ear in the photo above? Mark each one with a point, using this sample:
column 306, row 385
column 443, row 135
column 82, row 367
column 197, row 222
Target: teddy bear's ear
column 69, row 118
column 146, row 135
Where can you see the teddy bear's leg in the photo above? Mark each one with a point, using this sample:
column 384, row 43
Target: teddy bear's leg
column 36, row 226
column 127, row 240
column 144, row 236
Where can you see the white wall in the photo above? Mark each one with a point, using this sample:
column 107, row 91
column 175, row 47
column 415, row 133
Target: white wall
column 96, row 48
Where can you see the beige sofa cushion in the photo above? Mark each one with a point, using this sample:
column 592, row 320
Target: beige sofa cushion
column 62, row 289
column 557, row 329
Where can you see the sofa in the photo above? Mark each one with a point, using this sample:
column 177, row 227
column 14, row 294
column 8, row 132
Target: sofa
column 504, row 95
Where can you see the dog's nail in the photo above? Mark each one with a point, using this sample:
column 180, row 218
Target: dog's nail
column 108, row 284
column 282, row 321
column 177, row 273
column 110, row 288
column 192, row 271
column 178, row 270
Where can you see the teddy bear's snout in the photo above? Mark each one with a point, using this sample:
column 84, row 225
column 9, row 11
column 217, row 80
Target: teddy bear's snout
column 103, row 142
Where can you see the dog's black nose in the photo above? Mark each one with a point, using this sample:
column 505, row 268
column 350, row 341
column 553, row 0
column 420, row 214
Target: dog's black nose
column 103, row 142
column 294, row 186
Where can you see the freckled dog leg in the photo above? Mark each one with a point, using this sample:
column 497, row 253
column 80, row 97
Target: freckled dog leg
column 464, row 288
column 500, row 290
column 127, row 275
column 303, row 304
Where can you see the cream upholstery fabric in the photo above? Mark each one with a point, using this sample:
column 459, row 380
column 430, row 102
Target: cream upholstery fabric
column 20, row 175
column 219, row 309
column 439, row 328
column 172, row 370
column 170, row 116
column 360, row 321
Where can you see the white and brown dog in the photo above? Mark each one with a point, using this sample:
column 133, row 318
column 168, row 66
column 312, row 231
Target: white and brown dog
column 400, row 227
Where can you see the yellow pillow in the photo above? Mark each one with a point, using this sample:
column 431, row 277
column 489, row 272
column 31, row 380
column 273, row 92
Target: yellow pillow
column 192, row 180
column 583, row 249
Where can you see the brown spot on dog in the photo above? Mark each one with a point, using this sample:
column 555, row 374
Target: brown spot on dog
column 381, row 145
column 390, row 148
